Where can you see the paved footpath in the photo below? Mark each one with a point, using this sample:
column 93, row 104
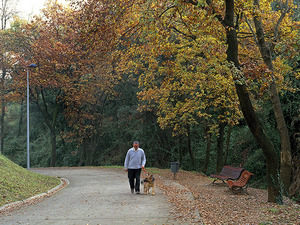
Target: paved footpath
column 94, row 196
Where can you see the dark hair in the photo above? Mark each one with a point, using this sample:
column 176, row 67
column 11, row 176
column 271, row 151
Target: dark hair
column 136, row 142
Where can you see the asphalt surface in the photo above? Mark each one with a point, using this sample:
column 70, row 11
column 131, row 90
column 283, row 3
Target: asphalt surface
column 94, row 196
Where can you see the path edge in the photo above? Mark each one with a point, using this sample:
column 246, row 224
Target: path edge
column 173, row 183
column 63, row 183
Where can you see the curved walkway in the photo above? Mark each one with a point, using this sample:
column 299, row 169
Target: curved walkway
column 94, row 196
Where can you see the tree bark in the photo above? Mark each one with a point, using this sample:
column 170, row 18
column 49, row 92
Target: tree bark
column 91, row 151
column 227, row 144
column 254, row 124
column 258, row 131
column 189, row 146
column 53, row 148
column 2, row 126
column 180, row 150
column 91, row 144
column 286, row 157
column 2, row 103
column 220, row 145
column 21, row 117
column 8, row 10
column 50, row 124
column 295, row 184
column 208, row 148
column 249, row 113
column 83, row 153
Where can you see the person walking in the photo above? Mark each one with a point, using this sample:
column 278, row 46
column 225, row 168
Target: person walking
column 135, row 160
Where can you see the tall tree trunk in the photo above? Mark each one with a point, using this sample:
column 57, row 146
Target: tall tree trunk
column 84, row 147
column 53, row 148
column 295, row 184
column 53, row 132
column 8, row 10
column 189, row 146
column 21, row 117
column 255, row 125
column 286, row 157
column 220, row 145
column 258, row 131
column 180, row 150
column 227, row 144
column 2, row 126
column 285, row 154
column 2, row 103
column 90, row 151
column 249, row 113
column 51, row 122
column 208, row 148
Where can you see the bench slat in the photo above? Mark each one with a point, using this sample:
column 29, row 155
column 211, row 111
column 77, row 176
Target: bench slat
column 228, row 172
column 219, row 177
column 242, row 181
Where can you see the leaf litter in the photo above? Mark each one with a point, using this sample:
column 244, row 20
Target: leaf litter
column 216, row 204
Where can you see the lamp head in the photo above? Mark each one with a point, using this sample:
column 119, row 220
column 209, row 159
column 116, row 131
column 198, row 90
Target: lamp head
column 32, row 65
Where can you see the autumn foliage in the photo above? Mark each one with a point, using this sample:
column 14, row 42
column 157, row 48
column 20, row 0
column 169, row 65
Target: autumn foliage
column 179, row 51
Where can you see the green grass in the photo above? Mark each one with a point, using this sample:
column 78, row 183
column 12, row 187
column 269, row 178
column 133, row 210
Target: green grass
column 265, row 223
column 152, row 170
column 17, row 183
column 148, row 169
column 273, row 210
column 119, row 167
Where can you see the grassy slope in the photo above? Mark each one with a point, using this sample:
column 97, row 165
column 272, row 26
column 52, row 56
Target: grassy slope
column 17, row 183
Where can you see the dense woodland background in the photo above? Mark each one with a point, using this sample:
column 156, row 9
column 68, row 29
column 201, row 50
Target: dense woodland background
column 101, row 83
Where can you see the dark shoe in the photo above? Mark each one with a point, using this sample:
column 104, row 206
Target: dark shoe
column 132, row 191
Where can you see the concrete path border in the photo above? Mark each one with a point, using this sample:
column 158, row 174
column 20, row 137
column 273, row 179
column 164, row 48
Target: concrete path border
column 152, row 211
column 94, row 196
column 63, row 183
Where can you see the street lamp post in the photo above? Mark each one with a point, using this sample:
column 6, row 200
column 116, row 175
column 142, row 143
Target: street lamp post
column 28, row 152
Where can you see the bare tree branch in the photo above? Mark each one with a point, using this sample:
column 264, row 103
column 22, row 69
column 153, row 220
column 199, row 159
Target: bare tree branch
column 167, row 9
column 183, row 33
column 210, row 3
column 283, row 14
column 252, row 30
column 7, row 11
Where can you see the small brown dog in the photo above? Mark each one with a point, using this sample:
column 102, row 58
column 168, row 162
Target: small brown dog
column 148, row 183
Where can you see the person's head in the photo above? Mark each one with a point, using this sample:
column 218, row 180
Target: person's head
column 136, row 145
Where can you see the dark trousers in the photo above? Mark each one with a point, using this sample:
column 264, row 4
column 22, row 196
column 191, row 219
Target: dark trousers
column 134, row 174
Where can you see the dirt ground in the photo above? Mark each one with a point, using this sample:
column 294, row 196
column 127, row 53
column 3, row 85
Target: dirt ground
column 216, row 204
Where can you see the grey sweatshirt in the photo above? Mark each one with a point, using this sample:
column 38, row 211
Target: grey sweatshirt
column 135, row 159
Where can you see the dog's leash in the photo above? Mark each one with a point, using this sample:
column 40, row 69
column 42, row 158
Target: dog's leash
column 145, row 170
column 148, row 173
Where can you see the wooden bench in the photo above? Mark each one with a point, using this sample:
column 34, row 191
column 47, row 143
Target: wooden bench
column 228, row 173
column 241, row 183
